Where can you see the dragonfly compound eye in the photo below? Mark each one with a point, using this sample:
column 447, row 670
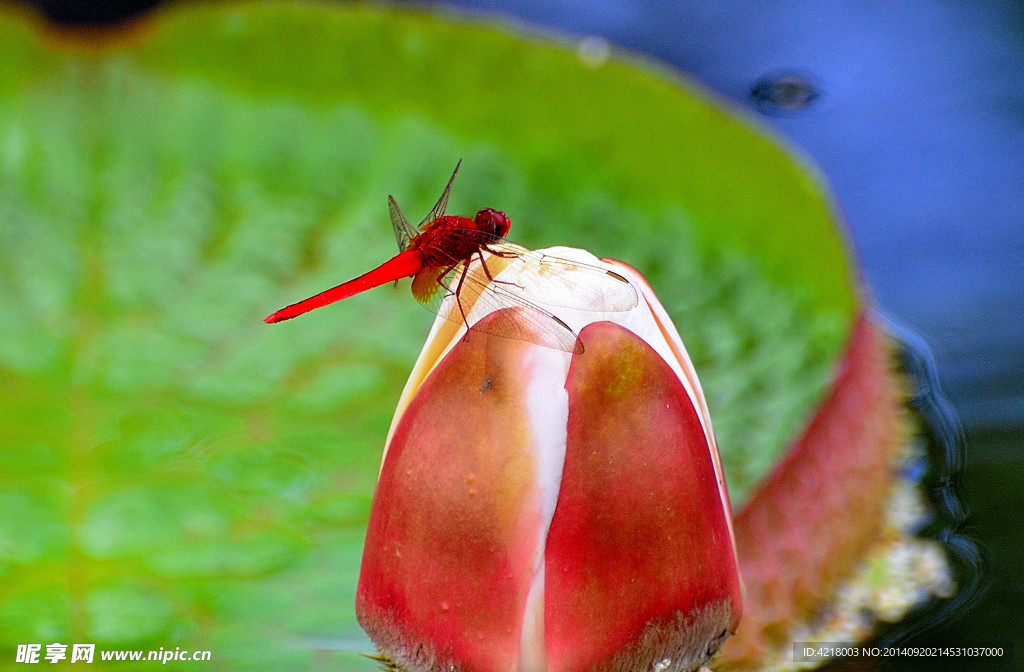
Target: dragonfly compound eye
column 493, row 222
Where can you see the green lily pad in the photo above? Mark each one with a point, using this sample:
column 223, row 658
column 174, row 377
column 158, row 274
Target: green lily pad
column 173, row 472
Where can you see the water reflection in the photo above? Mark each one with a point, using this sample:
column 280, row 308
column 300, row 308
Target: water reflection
column 785, row 92
column 942, row 440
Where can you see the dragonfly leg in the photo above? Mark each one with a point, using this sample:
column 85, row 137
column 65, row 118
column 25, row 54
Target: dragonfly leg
column 505, row 254
column 448, row 291
column 458, row 297
column 455, row 292
column 487, row 271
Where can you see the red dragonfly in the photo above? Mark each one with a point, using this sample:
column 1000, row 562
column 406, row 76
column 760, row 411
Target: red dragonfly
column 454, row 263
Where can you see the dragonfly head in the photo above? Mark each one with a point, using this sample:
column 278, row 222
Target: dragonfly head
column 493, row 223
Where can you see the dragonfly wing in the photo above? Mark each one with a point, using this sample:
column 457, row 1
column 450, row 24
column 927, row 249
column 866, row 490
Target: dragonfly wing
column 404, row 232
column 465, row 295
column 533, row 325
column 555, row 281
column 442, row 203
column 430, row 286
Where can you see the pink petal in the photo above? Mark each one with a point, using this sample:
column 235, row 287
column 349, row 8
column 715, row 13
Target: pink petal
column 640, row 565
column 459, row 514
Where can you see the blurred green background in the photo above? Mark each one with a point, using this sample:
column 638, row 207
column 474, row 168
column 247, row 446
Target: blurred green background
column 174, row 472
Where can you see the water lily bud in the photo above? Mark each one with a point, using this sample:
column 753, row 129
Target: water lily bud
column 548, row 511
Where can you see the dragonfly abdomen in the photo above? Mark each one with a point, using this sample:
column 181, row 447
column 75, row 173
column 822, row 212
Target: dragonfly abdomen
column 400, row 266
